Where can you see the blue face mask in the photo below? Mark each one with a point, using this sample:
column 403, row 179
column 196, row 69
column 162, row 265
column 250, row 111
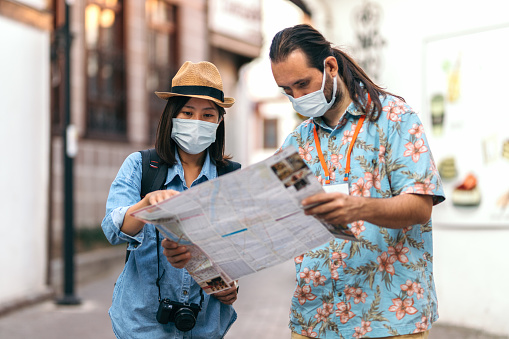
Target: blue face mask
column 314, row 104
column 193, row 136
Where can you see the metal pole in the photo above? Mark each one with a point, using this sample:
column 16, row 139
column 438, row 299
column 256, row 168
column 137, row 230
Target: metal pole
column 69, row 297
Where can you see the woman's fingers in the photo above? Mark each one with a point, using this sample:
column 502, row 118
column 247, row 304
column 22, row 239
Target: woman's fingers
column 178, row 256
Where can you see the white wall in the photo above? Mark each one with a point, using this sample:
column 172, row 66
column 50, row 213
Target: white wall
column 471, row 275
column 259, row 86
column 406, row 26
column 470, row 259
column 24, row 136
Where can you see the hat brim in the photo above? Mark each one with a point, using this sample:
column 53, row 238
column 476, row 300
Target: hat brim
column 228, row 102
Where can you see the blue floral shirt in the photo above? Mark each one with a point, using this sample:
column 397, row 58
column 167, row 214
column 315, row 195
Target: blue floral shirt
column 382, row 285
column 135, row 296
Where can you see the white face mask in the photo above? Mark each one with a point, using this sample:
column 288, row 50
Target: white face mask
column 193, row 136
column 314, row 104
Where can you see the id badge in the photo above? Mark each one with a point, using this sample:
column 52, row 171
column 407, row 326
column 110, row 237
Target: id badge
column 341, row 188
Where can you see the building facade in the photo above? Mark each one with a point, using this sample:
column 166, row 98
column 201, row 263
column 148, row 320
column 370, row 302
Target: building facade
column 123, row 51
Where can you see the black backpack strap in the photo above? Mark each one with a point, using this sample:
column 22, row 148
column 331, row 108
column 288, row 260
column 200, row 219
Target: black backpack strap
column 229, row 167
column 153, row 175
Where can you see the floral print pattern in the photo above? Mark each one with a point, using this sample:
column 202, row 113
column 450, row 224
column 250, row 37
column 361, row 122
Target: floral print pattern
column 381, row 285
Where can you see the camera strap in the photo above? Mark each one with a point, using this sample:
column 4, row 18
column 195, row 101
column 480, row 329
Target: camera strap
column 160, row 276
column 152, row 162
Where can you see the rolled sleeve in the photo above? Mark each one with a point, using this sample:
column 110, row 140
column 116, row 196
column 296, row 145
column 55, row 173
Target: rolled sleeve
column 414, row 169
column 124, row 192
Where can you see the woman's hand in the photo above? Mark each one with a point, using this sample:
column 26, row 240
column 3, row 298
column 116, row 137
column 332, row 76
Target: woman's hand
column 154, row 197
column 131, row 225
column 228, row 296
column 177, row 255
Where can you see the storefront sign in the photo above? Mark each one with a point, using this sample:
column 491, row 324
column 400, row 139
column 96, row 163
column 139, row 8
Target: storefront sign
column 239, row 19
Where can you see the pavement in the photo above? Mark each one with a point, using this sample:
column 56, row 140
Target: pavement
column 262, row 307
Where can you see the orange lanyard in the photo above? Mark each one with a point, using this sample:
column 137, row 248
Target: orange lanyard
column 320, row 155
column 349, row 151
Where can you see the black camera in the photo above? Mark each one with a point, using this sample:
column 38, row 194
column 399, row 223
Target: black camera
column 183, row 315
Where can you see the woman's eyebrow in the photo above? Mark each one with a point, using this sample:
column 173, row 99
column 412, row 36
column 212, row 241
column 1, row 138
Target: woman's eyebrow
column 192, row 107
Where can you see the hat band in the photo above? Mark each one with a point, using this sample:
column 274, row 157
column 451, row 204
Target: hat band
column 199, row 90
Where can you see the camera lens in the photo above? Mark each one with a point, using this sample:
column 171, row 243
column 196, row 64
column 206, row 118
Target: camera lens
column 184, row 320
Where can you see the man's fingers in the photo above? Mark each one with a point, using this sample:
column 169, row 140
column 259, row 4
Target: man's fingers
column 316, row 199
column 320, row 209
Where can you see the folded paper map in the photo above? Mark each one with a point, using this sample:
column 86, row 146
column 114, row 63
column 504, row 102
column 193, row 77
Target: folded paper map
column 244, row 221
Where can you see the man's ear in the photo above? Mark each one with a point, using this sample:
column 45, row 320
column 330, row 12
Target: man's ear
column 331, row 65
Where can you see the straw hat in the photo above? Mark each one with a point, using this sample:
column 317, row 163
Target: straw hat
column 201, row 80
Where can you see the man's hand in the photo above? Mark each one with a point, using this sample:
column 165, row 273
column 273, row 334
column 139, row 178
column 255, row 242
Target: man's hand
column 333, row 208
column 399, row 211
column 177, row 255
column 228, row 296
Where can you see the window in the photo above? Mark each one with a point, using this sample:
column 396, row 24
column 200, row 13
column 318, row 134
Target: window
column 162, row 55
column 105, row 69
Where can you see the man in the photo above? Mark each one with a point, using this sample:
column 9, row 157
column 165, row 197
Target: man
column 368, row 148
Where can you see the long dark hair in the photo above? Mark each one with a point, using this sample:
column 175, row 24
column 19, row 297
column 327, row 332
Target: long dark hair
column 316, row 48
column 165, row 145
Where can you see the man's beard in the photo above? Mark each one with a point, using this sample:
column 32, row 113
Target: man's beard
column 328, row 88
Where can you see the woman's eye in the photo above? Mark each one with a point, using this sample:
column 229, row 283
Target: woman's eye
column 187, row 113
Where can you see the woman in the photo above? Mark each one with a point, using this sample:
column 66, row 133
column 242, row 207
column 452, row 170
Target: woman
column 190, row 139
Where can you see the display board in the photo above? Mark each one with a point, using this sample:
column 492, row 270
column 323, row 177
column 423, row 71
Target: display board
column 466, row 106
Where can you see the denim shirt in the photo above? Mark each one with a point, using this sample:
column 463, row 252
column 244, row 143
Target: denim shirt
column 135, row 296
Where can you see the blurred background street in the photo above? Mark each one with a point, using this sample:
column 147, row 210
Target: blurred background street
column 262, row 307
column 77, row 82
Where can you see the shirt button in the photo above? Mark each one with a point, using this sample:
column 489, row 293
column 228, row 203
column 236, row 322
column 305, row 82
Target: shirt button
column 185, row 292
column 340, row 294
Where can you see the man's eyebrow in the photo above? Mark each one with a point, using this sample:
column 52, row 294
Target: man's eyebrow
column 300, row 80
column 296, row 82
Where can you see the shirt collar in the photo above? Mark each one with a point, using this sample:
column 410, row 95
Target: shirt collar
column 352, row 110
column 208, row 170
